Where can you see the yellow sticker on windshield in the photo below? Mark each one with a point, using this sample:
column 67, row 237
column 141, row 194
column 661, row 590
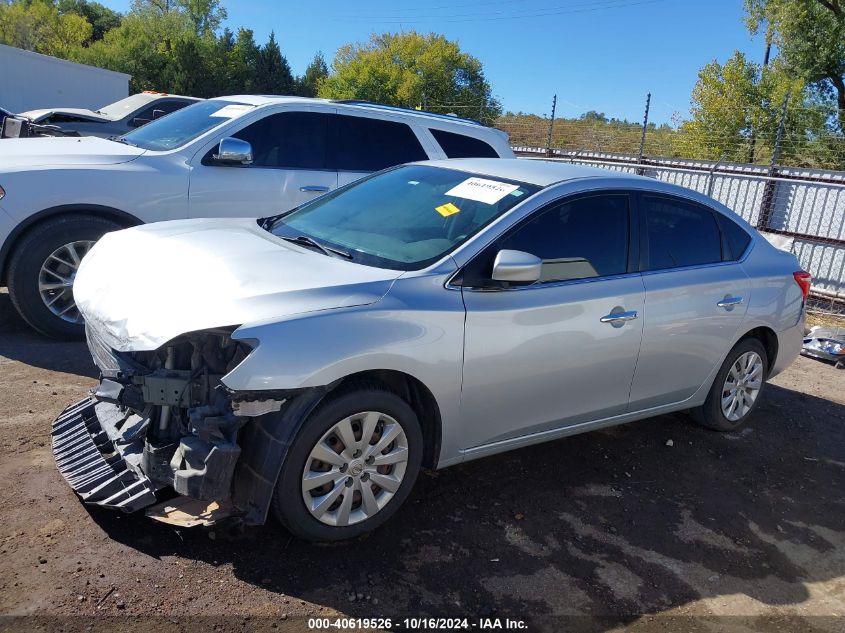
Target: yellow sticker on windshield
column 447, row 209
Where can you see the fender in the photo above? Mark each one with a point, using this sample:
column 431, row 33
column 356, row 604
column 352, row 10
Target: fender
column 264, row 446
column 122, row 217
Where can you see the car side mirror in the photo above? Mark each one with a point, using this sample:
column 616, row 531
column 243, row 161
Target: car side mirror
column 233, row 151
column 517, row 267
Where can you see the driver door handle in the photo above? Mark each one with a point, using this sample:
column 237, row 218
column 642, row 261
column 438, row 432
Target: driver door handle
column 314, row 189
column 619, row 316
column 729, row 302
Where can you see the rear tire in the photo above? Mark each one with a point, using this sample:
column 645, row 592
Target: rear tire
column 737, row 388
column 37, row 262
column 350, row 502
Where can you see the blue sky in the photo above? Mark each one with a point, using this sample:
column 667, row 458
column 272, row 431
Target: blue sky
column 600, row 55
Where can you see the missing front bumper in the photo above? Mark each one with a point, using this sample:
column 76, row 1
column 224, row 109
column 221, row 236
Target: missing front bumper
column 83, row 446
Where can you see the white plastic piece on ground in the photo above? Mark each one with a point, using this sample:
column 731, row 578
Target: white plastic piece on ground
column 782, row 242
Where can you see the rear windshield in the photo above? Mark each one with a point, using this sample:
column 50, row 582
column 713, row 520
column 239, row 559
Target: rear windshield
column 405, row 218
column 183, row 126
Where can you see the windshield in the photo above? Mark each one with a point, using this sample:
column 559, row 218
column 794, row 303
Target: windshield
column 182, row 126
column 405, row 218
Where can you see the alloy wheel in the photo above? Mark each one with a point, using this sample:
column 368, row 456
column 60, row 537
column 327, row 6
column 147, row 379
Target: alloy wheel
column 55, row 280
column 742, row 386
column 355, row 469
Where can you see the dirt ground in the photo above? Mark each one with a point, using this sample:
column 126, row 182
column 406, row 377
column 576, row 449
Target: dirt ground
column 612, row 529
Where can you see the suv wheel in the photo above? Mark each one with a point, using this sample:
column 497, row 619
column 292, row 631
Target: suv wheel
column 350, row 467
column 42, row 270
column 736, row 389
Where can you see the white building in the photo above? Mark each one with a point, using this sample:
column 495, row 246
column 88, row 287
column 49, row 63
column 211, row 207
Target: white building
column 30, row 80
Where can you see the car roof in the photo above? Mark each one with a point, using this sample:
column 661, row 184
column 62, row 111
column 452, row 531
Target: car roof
column 535, row 172
column 263, row 100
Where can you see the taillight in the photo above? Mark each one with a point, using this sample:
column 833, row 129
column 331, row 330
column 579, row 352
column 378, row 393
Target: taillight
column 803, row 279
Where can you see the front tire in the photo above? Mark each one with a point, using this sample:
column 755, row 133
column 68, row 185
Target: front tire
column 737, row 389
column 351, row 466
column 42, row 270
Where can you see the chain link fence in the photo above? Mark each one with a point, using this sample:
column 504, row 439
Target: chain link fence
column 791, row 186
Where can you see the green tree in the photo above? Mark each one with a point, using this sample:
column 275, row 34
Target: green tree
column 38, row 26
column 242, row 64
column 810, row 39
column 412, row 69
column 316, row 72
column 102, row 18
column 736, row 112
column 273, row 75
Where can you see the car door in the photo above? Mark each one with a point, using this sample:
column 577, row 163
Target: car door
column 695, row 300
column 560, row 351
column 359, row 145
column 289, row 168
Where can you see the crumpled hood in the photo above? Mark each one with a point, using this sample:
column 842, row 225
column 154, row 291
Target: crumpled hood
column 17, row 154
column 142, row 287
column 39, row 115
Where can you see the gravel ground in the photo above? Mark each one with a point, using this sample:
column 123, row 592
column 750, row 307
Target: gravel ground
column 653, row 526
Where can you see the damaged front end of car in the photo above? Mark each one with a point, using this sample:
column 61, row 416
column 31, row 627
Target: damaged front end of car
column 165, row 419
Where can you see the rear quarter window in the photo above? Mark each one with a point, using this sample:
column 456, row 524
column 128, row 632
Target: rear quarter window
column 462, row 146
column 735, row 237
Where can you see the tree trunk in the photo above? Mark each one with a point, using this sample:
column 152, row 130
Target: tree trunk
column 839, row 84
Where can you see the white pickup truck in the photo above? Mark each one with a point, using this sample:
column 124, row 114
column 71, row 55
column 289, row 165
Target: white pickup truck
column 248, row 156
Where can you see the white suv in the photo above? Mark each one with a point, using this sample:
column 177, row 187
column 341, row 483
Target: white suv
column 247, row 156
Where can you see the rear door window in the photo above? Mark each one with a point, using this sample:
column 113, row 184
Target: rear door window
column 365, row 144
column 462, row 146
column 679, row 233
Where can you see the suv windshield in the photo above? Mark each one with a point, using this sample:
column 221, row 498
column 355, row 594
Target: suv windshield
column 182, row 126
column 405, row 218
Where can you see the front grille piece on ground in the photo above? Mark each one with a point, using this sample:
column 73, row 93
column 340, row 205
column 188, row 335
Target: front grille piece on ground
column 88, row 461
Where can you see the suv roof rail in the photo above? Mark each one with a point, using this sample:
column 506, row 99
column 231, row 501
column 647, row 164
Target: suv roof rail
column 382, row 106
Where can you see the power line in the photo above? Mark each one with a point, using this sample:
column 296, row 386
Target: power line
column 602, row 5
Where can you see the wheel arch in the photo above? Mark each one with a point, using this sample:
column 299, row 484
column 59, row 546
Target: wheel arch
column 769, row 340
column 419, row 398
column 20, row 231
column 265, row 441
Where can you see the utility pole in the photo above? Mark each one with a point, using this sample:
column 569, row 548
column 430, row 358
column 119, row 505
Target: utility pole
column 645, row 125
column 770, row 190
column 551, row 127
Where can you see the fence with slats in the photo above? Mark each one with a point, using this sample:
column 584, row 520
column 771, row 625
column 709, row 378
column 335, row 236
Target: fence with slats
column 804, row 207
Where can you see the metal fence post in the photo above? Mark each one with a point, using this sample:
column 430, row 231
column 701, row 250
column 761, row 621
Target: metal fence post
column 640, row 170
column 551, row 127
column 770, row 190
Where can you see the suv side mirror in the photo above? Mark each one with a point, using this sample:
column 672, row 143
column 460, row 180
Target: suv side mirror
column 517, row 267
column 233, row 151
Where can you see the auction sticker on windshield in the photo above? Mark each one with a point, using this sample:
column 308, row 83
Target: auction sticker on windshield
column 232, row 110
column 482, row 190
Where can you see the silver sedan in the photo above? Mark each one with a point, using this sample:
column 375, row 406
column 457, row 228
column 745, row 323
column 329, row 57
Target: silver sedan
column 307, row 365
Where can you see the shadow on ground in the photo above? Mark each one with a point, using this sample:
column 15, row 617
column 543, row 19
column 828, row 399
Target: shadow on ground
column 606, row 524
column 21, row 343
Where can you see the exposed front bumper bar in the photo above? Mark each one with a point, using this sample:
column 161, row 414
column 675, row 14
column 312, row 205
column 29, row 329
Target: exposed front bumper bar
column 88, row 460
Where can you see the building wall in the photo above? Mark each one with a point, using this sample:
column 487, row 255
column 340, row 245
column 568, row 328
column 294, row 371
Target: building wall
column 29, row 81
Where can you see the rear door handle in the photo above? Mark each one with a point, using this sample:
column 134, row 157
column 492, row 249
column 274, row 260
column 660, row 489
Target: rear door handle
column 314, row 189
column 615, row 317
column 729, row 302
